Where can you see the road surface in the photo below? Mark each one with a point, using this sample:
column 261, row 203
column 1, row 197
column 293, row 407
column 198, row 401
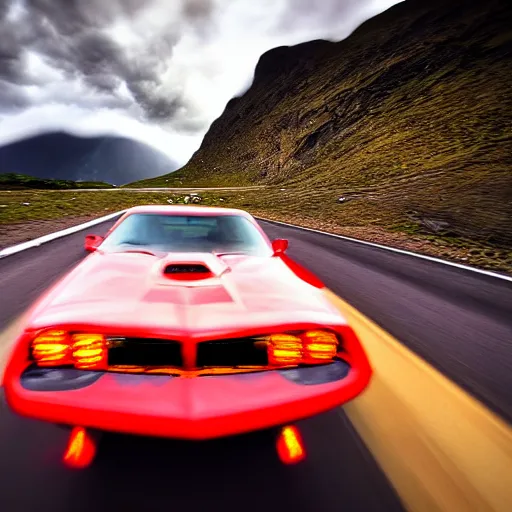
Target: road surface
column 460, row 322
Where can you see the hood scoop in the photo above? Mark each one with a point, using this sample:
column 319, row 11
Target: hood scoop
column 192, row 267
column 186, row 268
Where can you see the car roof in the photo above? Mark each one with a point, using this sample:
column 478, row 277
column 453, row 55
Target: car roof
column 185, row 209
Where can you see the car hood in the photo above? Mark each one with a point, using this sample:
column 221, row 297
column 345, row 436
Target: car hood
column 130, row 291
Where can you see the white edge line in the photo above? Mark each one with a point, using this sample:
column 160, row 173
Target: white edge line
column 8, row 251
column 393, row 249
column 58, row 234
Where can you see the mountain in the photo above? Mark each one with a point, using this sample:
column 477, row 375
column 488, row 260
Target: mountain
column 405, row 125
column 63, row 156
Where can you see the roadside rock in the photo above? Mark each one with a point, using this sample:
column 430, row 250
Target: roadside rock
column 436, row 226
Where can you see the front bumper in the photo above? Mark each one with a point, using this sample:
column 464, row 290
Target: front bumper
column 184, row 408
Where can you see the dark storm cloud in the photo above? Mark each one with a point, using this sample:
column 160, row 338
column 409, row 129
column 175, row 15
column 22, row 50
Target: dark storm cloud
column 9, row 66
column 10, row 47
column 200, row 16
column 4, row 7
column 67, row 34
column 72, row 16
column 11, row 97
column 198, row 10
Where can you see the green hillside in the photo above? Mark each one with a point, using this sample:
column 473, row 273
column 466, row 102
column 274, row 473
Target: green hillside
column 12, row 181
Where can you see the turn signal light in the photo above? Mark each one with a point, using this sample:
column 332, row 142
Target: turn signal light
column 309, row 347
column 52, row 348
column 59, row 348
column 284, row 349
column 319, row 345
column 89, row 351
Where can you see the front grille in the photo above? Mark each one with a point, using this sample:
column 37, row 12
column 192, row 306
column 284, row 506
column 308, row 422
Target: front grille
column 144, row 352
column 232, row 353
column 154, row 353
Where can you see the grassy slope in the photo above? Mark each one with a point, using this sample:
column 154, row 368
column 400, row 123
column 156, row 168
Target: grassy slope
column 12, row 181
column 45, row 210
column 410, row 118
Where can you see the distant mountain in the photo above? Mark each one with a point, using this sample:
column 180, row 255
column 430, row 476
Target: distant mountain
column 62, row 156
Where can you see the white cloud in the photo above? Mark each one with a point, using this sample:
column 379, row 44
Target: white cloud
column 160, row 72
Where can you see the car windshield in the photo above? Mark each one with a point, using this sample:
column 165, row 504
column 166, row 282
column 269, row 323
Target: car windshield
column 187, row 233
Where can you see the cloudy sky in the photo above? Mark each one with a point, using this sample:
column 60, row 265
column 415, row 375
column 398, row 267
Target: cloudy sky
column 160, row 71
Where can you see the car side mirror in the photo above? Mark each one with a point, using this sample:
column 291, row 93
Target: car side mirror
column 92, row 242
column 280, row 245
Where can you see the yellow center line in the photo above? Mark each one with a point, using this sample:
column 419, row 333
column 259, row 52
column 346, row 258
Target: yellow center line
column 440, row 448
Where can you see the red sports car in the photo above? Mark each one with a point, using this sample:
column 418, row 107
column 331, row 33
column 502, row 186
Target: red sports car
column 184, row 322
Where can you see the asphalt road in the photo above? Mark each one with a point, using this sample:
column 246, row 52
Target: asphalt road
column 459, row 321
